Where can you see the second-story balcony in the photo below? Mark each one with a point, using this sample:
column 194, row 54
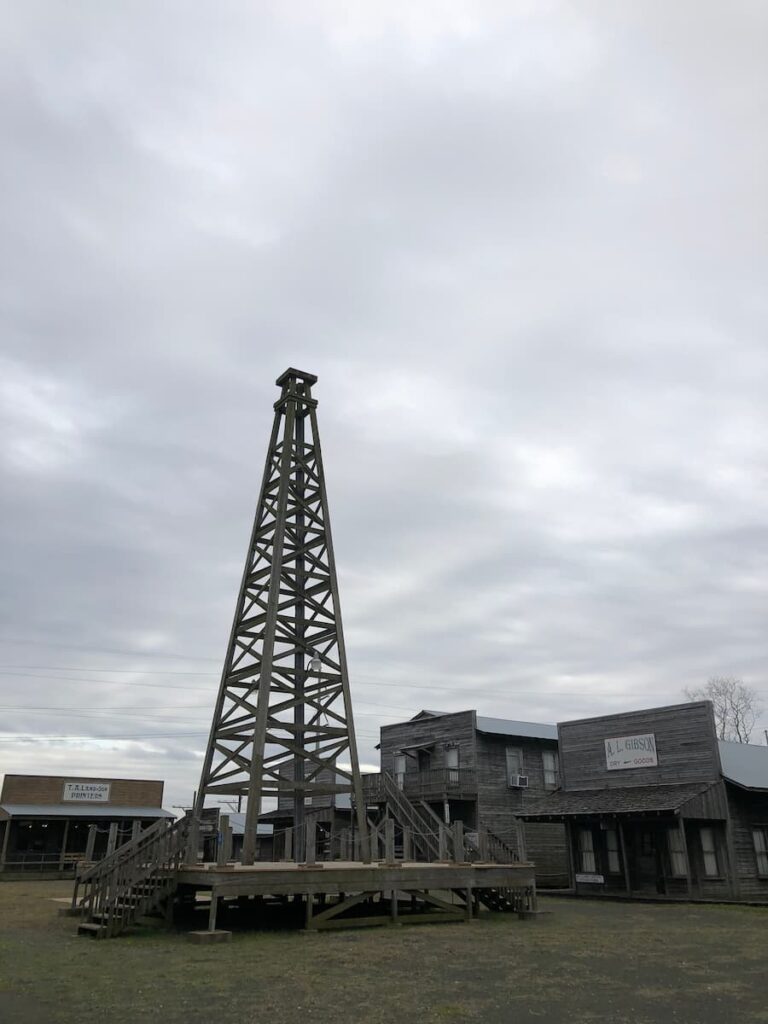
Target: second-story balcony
column 432, row 784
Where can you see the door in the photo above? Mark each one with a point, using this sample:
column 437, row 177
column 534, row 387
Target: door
column 400, row 770
column 648, row 871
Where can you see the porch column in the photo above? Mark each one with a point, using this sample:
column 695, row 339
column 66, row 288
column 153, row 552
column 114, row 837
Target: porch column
column 522, row 852
column 684, row 841
column 624, row 861
column 64, row 844
column 6, row 838
column 90, row 843
column 112, row 838
column 569, row 846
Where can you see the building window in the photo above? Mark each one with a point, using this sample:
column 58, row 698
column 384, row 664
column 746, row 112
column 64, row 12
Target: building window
column 612, row 849
column 709, row 852
column 514, row 765
column 452, row 763
column 677, row 853
column 760, row 841
column 586, row 851
column 551, row 768
column 400, row 770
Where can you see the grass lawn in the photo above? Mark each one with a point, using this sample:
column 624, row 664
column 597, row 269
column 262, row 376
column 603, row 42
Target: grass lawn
column 582, row 961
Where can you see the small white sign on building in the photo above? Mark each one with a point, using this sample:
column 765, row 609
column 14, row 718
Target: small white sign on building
column 631, row 752
column 87, row 792
column 591, row 879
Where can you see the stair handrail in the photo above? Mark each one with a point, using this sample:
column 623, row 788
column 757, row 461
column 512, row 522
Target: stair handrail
column 408, row 810
column 149, row 859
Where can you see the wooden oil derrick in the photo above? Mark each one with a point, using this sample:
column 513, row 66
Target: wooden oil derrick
column 278, row 727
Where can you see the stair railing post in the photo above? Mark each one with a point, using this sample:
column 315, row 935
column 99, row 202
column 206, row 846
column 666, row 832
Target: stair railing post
column 482, row 843
column 457, row 828
column 443, row 842
column 310, row 835
column 389, row 840
column 407, row 843
column 220, row 843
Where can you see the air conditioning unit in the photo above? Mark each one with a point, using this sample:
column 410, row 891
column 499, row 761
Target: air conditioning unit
column 519, row 782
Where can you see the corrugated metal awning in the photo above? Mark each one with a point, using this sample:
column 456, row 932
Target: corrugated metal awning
column 94, row 810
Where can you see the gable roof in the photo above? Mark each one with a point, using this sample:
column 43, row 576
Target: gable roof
column 500, row 726
column 745, row 764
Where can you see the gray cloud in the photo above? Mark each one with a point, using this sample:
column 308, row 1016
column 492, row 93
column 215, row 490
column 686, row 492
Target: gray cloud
column 523, row 246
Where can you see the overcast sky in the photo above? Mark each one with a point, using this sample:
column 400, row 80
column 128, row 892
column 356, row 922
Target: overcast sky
column 523, row 246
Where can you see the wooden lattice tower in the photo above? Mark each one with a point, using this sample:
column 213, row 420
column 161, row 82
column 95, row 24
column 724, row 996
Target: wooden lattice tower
column 278, row 727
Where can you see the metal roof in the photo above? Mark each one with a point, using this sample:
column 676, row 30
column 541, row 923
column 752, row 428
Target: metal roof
column 502, row 726
column 746, row 764
column 93, row 810
column 621, row 800
column 508, row 727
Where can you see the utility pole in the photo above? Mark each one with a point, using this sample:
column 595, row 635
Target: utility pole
column 275, row 729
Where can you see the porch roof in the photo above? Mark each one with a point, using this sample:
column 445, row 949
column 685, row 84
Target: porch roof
column 625, row 800
column 93, row 810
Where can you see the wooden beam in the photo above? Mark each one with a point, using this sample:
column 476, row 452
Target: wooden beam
column 624, row 858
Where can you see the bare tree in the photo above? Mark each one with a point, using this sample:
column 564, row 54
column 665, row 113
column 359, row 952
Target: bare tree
column 736, row 706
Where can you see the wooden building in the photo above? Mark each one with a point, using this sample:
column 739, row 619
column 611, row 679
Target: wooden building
column 482, row 771
column 50, row 822
column 654, row 805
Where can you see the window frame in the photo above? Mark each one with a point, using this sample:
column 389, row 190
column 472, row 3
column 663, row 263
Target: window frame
column 518, row 752
column 678, row 863
column 612, row 852
column 761, row 855
column 554, row 772
column 586, row 850
column 709, row 853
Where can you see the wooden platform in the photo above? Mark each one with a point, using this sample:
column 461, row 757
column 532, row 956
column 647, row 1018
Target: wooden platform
column 332, row 889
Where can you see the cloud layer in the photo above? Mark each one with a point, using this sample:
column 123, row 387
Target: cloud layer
column 524, row 248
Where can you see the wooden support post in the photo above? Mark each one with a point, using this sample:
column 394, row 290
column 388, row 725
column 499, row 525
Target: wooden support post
column 90, row 843
column 308, row 908
column 221, row 858
column 389, row 841
column 135, row 829
column 374, row 843
column 684, row 841
column 193, row 841
column 64, row 844
column 6, row 840
column 112, row 838
column 212, row 911
column 393, row 906
column 407, row 844
column 442, row 842
column 569, row 847
column 469, row 903
column 522, row 851
column 288, row 844
column 457, row 829
column 624, row 860
column 482, row 843
column 310, row 835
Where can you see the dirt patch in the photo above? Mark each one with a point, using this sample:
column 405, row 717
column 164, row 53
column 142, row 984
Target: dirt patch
column 584, row 962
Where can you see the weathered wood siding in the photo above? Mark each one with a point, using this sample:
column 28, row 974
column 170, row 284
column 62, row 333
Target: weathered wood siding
column 457, row 728
column 498, row 803
column 49, row 789
column 748, row 809
column 686, row 747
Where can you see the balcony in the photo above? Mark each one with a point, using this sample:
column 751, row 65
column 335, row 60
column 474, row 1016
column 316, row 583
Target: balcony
column 433, row 784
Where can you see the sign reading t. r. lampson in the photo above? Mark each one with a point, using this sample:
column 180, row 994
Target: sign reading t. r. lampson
column 631, row 752
column 88, row 792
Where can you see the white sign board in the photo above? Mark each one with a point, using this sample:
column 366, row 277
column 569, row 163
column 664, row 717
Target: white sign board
column 631, row 752
column 593, row 879
column 87, row 792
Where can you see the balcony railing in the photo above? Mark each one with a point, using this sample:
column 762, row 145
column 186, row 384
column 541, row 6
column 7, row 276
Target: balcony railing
column 433, row 784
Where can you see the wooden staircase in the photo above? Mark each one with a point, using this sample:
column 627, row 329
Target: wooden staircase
column 425, row 835
column 134, row 881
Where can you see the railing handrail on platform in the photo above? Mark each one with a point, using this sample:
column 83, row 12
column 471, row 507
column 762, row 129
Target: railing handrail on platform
column 131, row 880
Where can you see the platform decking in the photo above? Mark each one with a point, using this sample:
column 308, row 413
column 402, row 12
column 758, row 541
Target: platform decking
column 499, row 886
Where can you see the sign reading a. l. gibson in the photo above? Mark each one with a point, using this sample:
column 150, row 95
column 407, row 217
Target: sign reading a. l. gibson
column 631, row 752
column 87, row 792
